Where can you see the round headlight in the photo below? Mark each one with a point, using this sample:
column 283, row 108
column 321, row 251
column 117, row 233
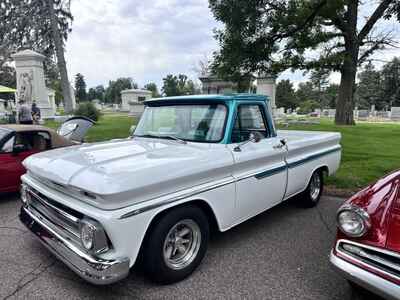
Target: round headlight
column 353, row 221
column 87, row 235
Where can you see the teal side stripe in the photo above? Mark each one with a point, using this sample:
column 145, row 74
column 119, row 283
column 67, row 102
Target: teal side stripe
column 270, row 172
column 277, row 170
column 312, row 157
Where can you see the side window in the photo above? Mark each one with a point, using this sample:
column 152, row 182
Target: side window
column 8, row 146
column 41, row 141
column 37, row 141
column 249, row 118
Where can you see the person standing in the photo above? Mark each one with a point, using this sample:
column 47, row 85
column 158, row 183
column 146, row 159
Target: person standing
column 35, row 113
column 24, row 113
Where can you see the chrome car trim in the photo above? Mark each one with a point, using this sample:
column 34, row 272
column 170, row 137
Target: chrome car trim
column 64, row 214
column 91, row 268
column 368, row 280
column 354, row 257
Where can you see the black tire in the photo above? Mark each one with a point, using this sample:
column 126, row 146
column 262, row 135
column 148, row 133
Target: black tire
column 310, row 197
column 155, row 263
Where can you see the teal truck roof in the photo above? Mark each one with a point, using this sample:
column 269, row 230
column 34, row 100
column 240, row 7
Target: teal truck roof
column 207, row 98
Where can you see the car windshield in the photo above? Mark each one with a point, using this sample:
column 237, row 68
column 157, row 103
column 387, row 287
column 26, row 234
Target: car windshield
column 3, row 133
column 195, row 122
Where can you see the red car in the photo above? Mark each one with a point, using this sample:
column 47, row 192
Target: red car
column 17, row 142
column 367, row 247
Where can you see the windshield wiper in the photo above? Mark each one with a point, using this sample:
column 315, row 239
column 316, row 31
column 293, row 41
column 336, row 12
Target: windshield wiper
column 172, row 137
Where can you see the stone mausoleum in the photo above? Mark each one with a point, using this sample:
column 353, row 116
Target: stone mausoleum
column 265, row 85
column 132, row 101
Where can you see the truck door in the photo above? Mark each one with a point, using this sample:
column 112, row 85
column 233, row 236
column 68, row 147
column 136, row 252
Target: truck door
column 260, row 168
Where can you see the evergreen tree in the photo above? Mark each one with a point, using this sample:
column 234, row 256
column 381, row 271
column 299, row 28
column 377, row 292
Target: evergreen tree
column 285, row 95
column 80, row 87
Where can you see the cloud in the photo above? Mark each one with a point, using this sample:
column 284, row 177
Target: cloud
column 145, row 40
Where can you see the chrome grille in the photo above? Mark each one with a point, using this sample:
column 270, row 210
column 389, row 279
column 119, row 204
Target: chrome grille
column 381, row 259
column 62, row 217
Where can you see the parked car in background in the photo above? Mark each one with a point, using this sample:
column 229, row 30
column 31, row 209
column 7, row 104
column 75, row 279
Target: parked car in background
column 193, row 163
column 17, row 142
column 367, row 247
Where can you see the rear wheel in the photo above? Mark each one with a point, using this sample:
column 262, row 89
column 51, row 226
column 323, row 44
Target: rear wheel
column 176, row 245
column 313, row 192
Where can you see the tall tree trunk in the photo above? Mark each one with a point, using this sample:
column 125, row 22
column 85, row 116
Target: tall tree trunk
column 62, row 66
column 345, row 103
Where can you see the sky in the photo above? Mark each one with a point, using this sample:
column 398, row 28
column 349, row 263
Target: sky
column 147, row 40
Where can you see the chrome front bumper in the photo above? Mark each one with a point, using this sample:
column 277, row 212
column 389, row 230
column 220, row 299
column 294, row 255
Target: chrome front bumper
column 367, row 280
column 90, row 268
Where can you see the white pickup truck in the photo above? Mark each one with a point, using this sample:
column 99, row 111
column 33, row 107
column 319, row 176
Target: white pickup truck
column 193, row 164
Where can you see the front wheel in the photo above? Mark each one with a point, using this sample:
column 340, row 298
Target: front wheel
column 313, row 192
column 176, row 245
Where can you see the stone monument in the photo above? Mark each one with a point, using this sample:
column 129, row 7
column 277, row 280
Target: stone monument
column 30, row 81
column 132, row 101
column 266, row 85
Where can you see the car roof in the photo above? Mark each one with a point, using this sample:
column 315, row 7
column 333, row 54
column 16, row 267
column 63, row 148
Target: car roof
column 209, row 98
column 24, row 128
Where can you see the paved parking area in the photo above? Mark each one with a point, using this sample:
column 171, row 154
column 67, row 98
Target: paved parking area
column 281, row 254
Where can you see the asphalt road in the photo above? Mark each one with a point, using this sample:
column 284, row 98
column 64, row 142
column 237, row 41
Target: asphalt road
column 280, row 254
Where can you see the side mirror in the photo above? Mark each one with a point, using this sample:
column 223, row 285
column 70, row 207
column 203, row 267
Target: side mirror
column 254, row 137
column 18, row 149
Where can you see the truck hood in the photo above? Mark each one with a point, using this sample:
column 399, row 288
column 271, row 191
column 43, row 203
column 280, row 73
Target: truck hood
column 126, row 172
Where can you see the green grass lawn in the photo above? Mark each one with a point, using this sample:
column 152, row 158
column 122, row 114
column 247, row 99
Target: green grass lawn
column 368, row 150
column 110, row 126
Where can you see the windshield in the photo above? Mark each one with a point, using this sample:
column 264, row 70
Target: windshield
column 196, row 123
column 3, row 133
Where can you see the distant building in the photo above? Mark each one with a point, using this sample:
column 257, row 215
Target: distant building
column 132, row 100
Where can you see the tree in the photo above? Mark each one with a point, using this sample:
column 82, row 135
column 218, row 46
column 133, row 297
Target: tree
column 369, row 88
column 272, row 36
column 91, row 95
column 114, row 89
column 100, row 92
column 305, row 92
column 42, row 25
column 153, row 88
column 391, row 82
column 285, row 95
column 178, row 85
column 80, row 87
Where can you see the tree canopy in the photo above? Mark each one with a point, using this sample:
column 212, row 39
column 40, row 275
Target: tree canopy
column 275, row 35
column 153, row 88
column 178, row 85
column 115, row 87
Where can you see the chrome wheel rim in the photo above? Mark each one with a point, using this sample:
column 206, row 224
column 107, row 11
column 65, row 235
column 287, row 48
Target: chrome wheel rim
column 315, row 186
column 182, row 244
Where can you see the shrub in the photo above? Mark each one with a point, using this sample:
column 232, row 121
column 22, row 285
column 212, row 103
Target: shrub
column 87, row 109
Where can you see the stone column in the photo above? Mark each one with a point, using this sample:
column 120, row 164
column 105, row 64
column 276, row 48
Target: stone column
column 266, row 85
column 30, row 80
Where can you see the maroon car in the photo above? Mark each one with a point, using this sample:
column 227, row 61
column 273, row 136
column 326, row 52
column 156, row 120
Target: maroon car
column 17, row 142
column 367, row 247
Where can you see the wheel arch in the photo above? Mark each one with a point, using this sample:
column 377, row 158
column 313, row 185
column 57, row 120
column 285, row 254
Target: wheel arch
column 200, row 203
